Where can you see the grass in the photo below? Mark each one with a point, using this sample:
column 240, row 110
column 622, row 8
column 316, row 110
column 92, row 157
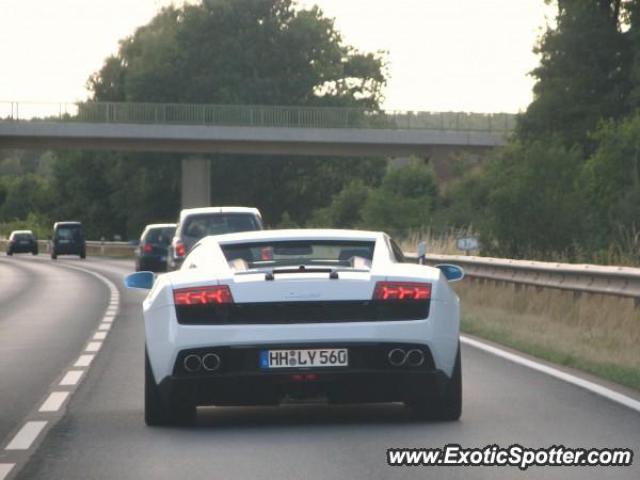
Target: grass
column 595, row 333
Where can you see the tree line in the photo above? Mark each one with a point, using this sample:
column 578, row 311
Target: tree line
column 567, row 184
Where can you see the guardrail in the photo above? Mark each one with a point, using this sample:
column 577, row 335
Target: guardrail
column 591, row 279
column 94, row 248
column 583, row 278
column 255, row 116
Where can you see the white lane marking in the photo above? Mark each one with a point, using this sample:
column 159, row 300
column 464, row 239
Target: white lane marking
column 84, row 361
column 100, row 335
column 93, row 346
column 111, row 311
column 554, row 372
column 104, row 326
column 53, row 402
column 5, row 468
column 71, row 377
column 26, row 435
column 108, row 318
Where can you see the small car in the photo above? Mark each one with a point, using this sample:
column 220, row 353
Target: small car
column 22, row 241
column 68, row 239
column 151, row 253
column 258, row 318
column 196, row 223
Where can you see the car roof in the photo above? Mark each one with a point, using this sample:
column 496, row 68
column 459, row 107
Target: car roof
column 160, row 225
column 295, row 234
column 203, row 210
column 64, row 224
column 22, row 231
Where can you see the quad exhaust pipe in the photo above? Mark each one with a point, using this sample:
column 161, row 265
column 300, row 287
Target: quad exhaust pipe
column 194, row 363
column 398, row 357
column 211, row 362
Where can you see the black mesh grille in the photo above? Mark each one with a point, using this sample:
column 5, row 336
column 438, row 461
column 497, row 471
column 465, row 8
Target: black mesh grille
column 301, row 312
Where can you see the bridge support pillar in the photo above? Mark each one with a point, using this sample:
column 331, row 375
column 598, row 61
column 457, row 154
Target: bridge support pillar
column 196, row 182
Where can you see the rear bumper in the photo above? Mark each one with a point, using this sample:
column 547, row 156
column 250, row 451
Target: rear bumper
column 152, row 263
column 69, row 249
column 272, row 388
column 22, row 248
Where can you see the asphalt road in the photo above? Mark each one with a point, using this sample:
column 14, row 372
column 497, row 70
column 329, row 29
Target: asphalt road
column 48, row 311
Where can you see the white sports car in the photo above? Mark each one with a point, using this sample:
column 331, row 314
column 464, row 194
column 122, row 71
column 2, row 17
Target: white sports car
column 257, row 318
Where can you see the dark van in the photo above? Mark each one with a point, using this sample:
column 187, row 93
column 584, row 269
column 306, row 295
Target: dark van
column 68, row 239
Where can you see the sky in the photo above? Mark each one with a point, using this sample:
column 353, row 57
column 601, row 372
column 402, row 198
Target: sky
column 443, row 55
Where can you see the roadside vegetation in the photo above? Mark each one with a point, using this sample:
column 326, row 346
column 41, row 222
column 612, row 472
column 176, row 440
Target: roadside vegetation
column 598, row 334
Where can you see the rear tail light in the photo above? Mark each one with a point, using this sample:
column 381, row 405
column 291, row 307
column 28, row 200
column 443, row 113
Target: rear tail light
column 180, row 249
column 217, row 294
column 147, row 248
column 402, row 291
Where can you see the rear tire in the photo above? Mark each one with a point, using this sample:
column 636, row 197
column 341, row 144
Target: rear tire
column 157, row 412
column 9, row 253
column 446, row 407
column 83, row 254
column 35, row 252
column 54, row 255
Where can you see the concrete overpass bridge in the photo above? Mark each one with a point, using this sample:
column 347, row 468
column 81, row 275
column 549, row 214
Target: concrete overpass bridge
column 279, row 130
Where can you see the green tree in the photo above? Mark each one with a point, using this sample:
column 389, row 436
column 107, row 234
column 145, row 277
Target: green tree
column 22, row 195
column 345, row 209
column 233, row 52
column 611, row 180
column 534, row 208
column 583, row 74
column 405, row 200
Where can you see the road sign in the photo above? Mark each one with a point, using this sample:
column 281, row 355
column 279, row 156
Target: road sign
column 467, row 244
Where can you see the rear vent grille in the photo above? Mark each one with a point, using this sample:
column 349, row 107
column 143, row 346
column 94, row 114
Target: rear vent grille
column 301, row 312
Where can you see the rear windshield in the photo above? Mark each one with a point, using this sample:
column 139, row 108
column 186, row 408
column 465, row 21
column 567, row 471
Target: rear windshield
column 329, row 253
column 159, row 236
column 69, row 232
column 22, row 236
column 198, row 226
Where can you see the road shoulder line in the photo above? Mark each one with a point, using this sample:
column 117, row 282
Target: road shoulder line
column 592, row 387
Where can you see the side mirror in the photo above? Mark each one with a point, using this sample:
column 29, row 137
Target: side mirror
column 134, row 243
column 144, row 280
column 453, row 273
column 422, row 252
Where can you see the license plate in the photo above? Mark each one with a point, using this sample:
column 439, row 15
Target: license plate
column 64, row 241
column 317, row 357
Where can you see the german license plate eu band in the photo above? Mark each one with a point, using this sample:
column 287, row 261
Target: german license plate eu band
column 303, row 358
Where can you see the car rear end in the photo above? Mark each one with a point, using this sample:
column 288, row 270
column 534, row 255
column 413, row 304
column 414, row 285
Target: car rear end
column 68, row 239
column 151, row 254
column 22, row 242
column 345, row 333
column 197, row 223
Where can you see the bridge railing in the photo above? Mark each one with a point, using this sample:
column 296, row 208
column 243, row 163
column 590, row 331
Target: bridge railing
column 255, row 116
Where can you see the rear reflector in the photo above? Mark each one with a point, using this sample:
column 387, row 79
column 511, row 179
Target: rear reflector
column 180, row 249
column 147, row 248
column 402, row 291
column 217, row 294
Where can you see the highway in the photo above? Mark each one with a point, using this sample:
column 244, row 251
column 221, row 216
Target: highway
column 49, row 311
